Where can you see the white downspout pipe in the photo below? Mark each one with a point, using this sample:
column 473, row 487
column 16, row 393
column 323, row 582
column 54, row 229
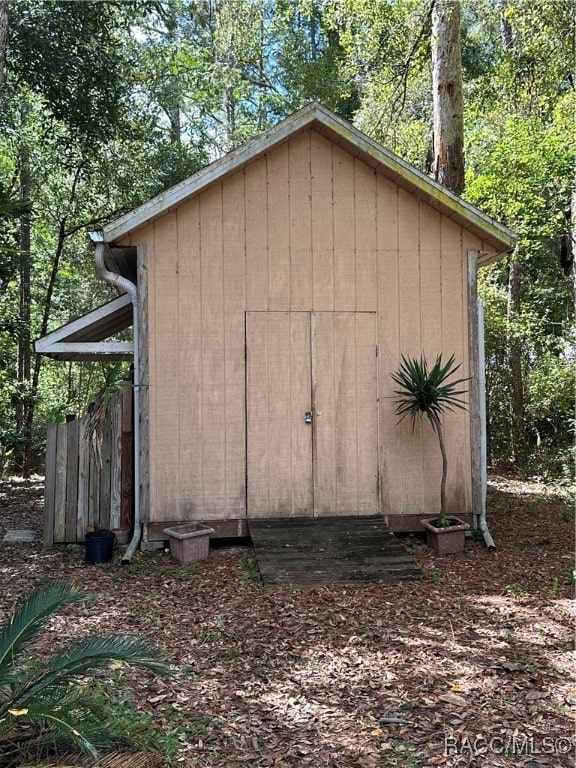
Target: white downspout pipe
column 131, row 289
column 482, row 524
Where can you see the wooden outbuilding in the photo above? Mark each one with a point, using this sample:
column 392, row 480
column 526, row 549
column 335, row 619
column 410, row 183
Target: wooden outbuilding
column 276, row 291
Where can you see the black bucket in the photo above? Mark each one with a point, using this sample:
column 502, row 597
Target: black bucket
column 99, row 547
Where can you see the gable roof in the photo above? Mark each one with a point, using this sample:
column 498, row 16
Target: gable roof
column 352, row 140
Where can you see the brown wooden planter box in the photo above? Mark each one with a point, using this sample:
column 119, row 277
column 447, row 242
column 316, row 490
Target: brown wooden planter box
column 446, row 541
column 189, row 542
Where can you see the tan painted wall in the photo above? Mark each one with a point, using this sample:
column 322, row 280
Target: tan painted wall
column 308, row 228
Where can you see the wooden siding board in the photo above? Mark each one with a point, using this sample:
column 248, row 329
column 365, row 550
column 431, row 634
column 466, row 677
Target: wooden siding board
column 322, row 223
column 390, row 459
column 344, row 245
column 300, row 222
column 325, row 414
column 365, row 386
column 346, row 437
column 234, row 346
column 167, row 384
column 278, row 210
column 365, row 237
column 454, row 279
column 213, row 368
column 431, row 340
column 410, row 344
column 257, row 406
column 190, row 329
column 256, row 236
column 300, row 403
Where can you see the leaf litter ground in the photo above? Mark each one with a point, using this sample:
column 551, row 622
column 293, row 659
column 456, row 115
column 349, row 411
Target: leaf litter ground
column 471, row 666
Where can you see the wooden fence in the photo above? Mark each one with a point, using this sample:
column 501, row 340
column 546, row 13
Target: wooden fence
column 89, row 481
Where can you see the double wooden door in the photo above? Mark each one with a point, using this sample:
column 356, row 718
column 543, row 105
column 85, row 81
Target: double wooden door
column 312, row 428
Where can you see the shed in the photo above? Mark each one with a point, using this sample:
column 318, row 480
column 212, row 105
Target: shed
column 276, row 291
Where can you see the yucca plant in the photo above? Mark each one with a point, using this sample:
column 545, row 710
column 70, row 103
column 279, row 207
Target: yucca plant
column 46, row 703
column 427, row 392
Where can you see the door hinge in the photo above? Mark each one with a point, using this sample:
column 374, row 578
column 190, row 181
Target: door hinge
column 376, row 350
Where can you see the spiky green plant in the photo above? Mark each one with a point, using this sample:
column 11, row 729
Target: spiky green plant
column 426, row 392
column 47, row 702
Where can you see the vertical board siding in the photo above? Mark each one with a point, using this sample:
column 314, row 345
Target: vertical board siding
column 256, row 262
column 190, row 368
column 390, row 459
column 409, row 238
column 301, row 282
column 234, row 340
column 278, row 213
column 304, row 228
column 454, row 316
column 213, row 389
column 431, row 342
column 167, row 353
column 344, row 243
column 322, row 197
column 365, row 237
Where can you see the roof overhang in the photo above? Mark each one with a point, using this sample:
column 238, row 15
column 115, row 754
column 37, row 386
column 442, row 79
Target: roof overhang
column 498, row 238
column 83, row 339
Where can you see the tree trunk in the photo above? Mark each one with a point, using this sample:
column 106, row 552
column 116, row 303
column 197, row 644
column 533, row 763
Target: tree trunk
column 3, row 42
column 440, row 431
column 447, row 95
column 505, row 26
column 514, row 350
column 573, row 243
column 23, row 455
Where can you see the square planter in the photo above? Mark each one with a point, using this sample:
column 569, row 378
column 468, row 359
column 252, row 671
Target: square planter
column 446, row 541
column 189, row 542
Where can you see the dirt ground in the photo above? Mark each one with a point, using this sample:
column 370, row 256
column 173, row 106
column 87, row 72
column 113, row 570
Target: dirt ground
column 471, row 666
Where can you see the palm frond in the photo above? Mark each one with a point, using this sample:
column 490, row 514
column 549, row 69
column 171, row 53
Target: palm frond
column 76, row 719
column 44, row 704
column 85, row 656
column 426, row 391
column 31, row 617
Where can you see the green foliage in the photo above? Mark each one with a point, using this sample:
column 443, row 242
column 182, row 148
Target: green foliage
column 251, row 571
column 47, row 703
column 427, row 392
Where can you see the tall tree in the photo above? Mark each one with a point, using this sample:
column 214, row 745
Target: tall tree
column 447, row 95
column 3, row 42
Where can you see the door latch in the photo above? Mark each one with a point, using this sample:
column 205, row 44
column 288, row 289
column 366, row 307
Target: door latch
column 308, row 417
